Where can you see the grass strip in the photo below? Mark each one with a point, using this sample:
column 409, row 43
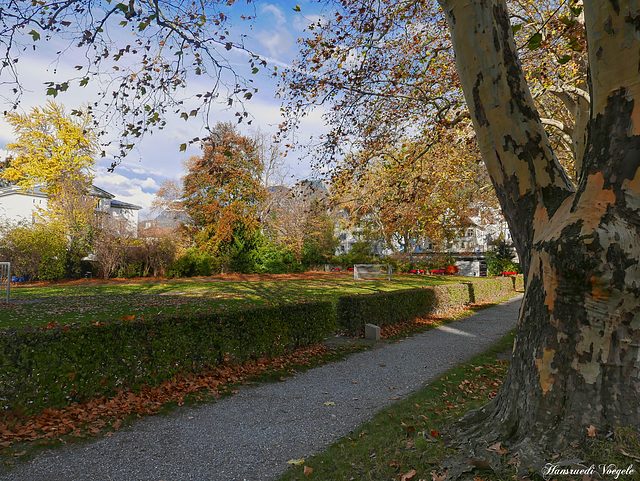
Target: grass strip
column 402, row 442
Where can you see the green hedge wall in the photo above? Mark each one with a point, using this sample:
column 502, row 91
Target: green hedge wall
column 385, row 308
column 518, row 282
column 483, row 290
column 54, row 367
column 382, row 308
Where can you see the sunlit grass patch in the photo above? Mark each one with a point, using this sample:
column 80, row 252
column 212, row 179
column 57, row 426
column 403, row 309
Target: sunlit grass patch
column 91, row 301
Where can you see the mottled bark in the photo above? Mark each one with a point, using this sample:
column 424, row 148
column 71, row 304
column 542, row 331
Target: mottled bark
column 576, row 359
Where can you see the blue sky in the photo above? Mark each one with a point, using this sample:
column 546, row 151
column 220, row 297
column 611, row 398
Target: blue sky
column 273, row 35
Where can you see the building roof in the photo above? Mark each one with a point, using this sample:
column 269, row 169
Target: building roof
column 37, row 191
column 124, row 205
column 17, row 190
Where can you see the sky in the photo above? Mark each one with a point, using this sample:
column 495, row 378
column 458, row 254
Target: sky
column 273, row 36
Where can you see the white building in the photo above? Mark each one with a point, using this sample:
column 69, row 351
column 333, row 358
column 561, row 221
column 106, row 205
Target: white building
column 18, row 205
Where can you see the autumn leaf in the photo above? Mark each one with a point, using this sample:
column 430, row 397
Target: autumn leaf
column 591, row 431
column 307, row 470
column 329, row 403
column 296, row 462
column 497, row 448
column 409, row 475
column 436, row 477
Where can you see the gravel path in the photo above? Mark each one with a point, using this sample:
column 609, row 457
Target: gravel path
column 251, row 436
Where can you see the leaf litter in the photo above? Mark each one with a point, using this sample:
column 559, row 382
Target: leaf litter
column 105, row 415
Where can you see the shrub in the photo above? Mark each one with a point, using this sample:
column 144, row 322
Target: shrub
column 278, row 260
column 501, row 260
column 496, row 266
column 194, row 263
column 37, row 252
column 361, row 253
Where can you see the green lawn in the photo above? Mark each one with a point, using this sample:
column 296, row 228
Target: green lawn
column 90, row 301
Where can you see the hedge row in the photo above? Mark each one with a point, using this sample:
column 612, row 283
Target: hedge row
column 489, row 289
column 385, row 308
column 52, row 367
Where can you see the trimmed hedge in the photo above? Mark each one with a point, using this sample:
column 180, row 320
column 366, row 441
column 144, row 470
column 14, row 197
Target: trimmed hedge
column 385, row 308
column 518, row 282
column 52, row 367
column 488, row 289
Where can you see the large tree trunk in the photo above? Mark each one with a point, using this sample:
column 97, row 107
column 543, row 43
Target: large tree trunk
column 576, row 359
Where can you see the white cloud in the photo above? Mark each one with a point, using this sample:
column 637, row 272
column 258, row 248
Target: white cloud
column 278, row 43
column 149, row 184
column 275, row 11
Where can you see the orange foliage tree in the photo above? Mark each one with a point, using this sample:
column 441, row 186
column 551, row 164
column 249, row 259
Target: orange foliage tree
column 222, row 191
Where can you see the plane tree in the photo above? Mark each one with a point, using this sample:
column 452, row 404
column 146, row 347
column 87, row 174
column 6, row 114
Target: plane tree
column 576, row 350
column 575, row 368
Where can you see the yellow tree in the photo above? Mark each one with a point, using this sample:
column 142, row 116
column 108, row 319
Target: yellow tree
column 55, row 152
column 51, row 149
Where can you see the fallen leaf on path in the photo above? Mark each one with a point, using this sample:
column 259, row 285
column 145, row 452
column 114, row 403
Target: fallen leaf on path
column 591, row 431
column 497, row 448
column 329, row 403
column 436, row 477
column 296, row 462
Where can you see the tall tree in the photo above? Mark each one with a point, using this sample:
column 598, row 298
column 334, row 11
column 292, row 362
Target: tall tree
column 55, row 152
column 414, row 191
column 300, row 220
column 575, row 364
column 576, row 351
column 222, row 190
